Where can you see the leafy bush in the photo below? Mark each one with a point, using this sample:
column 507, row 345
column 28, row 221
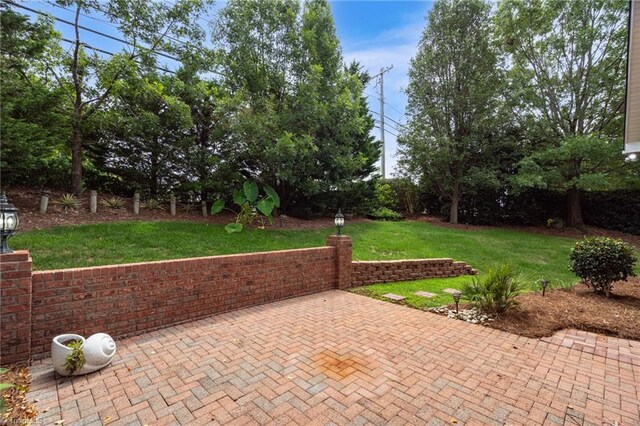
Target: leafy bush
column 251, row 206
column 600, row 261
column 69, row 202
column 112, row 203
column 384, row 213
column 75, row 360
column 494, row 291
column 153, row 204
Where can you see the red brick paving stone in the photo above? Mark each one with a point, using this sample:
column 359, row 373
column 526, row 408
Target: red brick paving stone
column 342, row 358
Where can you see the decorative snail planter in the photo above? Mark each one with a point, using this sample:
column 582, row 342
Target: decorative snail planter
column 73, row 355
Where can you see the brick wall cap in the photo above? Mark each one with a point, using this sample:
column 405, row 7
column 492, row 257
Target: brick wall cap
column 255, row 255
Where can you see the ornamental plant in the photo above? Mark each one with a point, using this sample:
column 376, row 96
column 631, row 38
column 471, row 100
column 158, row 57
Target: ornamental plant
column 253, row 206
column 601, row 261
column 494, row 291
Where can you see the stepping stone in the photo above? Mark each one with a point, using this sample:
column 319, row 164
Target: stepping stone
column 425, row 294
column 392, row 296
column 451, row 290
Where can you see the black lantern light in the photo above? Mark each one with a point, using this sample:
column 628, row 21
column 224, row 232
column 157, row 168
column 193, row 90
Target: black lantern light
column 339, row 221
column 456, row 298
column 8, row 222
column 544, row 283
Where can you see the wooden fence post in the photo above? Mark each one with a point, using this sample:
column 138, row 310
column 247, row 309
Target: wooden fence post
column 136, row 203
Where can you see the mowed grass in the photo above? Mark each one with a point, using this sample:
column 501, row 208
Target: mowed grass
column 534, row 255
column 124, row 242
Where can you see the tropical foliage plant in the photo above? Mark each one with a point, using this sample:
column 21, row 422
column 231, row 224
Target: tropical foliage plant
column 253, row 206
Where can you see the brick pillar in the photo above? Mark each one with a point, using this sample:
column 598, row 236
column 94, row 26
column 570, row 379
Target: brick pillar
column 343, row 259
column 15, row 307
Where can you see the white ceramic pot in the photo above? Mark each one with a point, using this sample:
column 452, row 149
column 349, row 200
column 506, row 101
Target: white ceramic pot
column 99, row 349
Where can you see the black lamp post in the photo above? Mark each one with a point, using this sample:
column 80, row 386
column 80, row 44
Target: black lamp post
column 8, row 222
column 456, row 298
column 339, row 221
column 544, row 283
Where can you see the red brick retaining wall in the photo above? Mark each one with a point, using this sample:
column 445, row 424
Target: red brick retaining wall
column 122, row 300
column 375, row 272
column 15, row 306
column 129, row 299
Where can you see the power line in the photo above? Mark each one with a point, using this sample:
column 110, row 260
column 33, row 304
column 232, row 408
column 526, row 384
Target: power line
column 64, row 21
column 389, row 125
column 386, row 131
column 390, row 119
column 386, row 103
column 105, row 21
column 88, row 46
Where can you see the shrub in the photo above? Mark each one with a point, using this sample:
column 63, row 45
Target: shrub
column 113, row 203
column 252, row 205
column 383, row 213
column 69, row 202
column 153, row 204
column 600, row 261
column 494, row 291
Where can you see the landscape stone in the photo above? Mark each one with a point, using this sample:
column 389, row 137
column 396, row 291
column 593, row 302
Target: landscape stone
column 392, row 296
column 425, row 294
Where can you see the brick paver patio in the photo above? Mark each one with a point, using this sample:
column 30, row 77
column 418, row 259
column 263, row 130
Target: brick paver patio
column 342, row 358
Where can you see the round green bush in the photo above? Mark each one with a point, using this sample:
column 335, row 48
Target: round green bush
column 600, row 261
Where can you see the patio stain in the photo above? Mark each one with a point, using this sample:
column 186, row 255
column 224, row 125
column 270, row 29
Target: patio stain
column 339, row 367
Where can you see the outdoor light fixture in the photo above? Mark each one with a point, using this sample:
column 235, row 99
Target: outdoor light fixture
column 339, row 221
column 456, row 298
column 631, row 157
column 544, row 283
column 8, row 222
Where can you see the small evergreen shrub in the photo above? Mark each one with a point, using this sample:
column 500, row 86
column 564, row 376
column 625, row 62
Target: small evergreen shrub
column 383, row 213
column 601, row 261
column 112, row 203
column 153, row 204
column 69, row 202
column 494, row 291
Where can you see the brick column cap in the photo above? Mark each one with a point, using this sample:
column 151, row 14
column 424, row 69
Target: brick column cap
column 16, row 256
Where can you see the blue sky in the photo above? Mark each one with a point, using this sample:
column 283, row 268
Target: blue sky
column 376, row 33
column 379, row 34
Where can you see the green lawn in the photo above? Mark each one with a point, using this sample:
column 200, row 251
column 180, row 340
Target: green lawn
column 122, row 242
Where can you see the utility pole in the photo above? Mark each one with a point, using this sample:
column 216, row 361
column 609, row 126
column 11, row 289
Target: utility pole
column 381, row 75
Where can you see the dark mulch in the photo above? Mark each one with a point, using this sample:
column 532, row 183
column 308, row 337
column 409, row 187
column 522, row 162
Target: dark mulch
column 18, row 410
column 28, row 201
column 579, row 308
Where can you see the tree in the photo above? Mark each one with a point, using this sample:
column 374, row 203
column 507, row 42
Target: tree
column 568, row 75
column 144, row 132
column 453, row 89
column 149, row 28
column 32, row 121
column 300, row 124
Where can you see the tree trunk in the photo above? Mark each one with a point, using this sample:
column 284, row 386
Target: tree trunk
column 574, row 209
column 76, row 157
column 453, row 213
column 76, row 122
column 153, row 184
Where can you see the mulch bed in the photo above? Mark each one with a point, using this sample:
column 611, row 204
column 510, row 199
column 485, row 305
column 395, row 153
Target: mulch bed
column 28, row 201
column 579, row 308
column 18, row 410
